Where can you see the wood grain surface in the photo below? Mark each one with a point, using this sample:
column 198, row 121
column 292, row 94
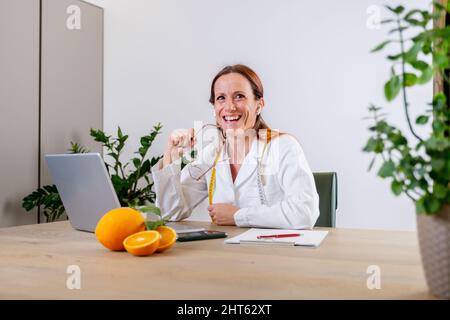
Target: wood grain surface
column 34, row 261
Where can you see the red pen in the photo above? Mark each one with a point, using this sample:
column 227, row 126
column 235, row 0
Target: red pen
column 286, row 235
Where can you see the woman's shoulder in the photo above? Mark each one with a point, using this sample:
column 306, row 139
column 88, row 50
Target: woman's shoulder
column 283, row 144
column 285, row 140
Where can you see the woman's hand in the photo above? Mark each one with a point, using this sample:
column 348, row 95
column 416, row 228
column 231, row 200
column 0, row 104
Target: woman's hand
column 178, row 140
column 222, row 214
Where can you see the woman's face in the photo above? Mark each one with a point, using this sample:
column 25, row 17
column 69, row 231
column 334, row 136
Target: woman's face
column 234, row 102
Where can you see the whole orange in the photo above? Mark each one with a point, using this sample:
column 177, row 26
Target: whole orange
column 118, row 224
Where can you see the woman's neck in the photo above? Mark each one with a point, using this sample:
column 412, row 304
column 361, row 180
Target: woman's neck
column 239, row 146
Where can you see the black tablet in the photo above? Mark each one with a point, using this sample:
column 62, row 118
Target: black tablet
column 201, row 235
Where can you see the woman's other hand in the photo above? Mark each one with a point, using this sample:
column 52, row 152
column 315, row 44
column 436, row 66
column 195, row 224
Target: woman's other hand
column 222, row 214
column 179, row 140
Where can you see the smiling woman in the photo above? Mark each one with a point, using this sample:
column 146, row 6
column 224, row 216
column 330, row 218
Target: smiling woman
column 254, row 177
column 245, row 84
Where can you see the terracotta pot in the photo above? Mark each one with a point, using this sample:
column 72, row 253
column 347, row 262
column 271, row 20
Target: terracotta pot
column 434, row 242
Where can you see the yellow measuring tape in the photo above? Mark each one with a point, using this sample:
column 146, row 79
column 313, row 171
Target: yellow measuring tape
column 212, row 181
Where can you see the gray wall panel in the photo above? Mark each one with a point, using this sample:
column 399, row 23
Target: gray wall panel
column 19, row 108
column 72, row 78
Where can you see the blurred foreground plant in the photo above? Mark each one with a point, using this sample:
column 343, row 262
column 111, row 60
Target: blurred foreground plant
column 419, row 168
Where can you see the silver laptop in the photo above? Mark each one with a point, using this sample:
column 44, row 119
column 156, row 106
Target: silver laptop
column 86, row 189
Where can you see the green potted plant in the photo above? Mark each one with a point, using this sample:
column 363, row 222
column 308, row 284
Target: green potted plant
column 419, row 167
column 130, row 180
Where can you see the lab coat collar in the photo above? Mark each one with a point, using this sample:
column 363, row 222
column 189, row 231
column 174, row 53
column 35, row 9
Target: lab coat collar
column 250, row 164
column 248, row 167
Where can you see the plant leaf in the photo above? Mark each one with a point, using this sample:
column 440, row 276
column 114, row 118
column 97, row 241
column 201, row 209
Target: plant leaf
column 401, row 29
column 136, row 162
column 380, row 46
column 396, row 10
column 153, row 225
column 432, row 204
column 409, row 79
column 396, row 187
column 439, row 102
column 150, row 208
column 423, row 119
column 387, row 169
column 440, row 60
column 426, row 76
column 392, row 88
column 371, row 164
column 99, row 136
column 411, row 54
column 394, row 57
column 419, row 65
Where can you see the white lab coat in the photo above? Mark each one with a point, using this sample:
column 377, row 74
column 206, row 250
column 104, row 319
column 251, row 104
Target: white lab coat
column 292, row 199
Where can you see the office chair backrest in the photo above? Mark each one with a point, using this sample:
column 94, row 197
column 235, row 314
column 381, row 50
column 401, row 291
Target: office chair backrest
column 326, row 184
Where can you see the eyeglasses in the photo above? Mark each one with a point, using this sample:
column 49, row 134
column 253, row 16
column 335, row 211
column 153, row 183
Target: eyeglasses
column 197, row 171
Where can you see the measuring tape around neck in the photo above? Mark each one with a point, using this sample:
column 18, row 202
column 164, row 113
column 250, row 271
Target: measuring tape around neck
column 212, row 181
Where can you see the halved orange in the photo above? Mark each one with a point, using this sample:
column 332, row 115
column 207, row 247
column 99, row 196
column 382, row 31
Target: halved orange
column 142, row 243
column 168, row 238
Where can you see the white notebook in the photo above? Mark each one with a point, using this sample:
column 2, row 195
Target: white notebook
column 310, row 238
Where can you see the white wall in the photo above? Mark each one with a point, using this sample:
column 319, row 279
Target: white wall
column 313, row 58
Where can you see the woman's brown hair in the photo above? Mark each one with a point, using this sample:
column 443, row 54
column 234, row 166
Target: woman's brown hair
column 255, row 83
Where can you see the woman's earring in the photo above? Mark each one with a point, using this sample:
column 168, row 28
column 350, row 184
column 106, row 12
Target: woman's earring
column 259, row 111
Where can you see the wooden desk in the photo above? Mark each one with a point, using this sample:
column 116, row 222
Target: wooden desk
column 34, row 260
